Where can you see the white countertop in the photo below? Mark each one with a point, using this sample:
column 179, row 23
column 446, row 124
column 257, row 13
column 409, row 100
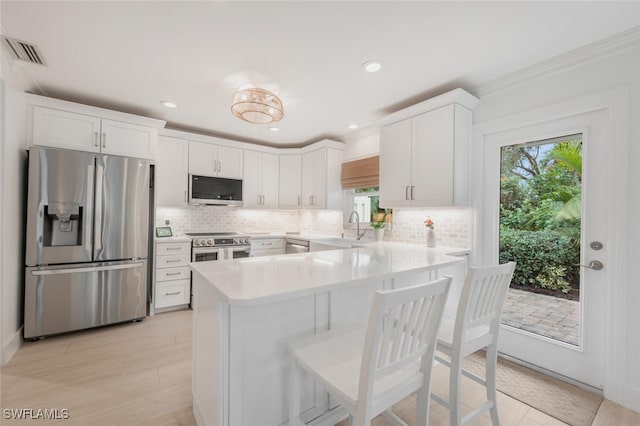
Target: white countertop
column 257, row 280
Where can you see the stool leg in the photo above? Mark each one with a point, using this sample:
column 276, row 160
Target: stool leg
column 490, row 375
column 455, row 376
column 294, row 395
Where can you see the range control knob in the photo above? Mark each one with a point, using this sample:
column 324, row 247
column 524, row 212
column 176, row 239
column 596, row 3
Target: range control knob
column 209, row 242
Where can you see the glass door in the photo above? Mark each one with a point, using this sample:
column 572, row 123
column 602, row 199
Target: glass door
column 545, row 186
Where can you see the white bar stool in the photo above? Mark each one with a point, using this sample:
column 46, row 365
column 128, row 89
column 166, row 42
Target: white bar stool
column 367, row 370
column 475, row 327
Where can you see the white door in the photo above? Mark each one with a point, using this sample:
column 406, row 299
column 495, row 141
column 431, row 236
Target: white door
column 270, row 169
column 395, row 164
column 251, row 183
column 230, row 162
column 202, row 157
column 583, row 358
column 290, row 182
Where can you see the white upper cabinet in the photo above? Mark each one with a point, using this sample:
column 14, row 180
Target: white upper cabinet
column 260, row 184
column 215, row 160
column 290, row 182
column 172, row 170
column 88, row 132
column 321, row 187
column 424, row 160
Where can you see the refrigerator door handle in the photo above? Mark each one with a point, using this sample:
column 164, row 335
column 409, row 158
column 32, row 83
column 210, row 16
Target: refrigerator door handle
column 85, row 270
column 89, row 207
column 97, row 224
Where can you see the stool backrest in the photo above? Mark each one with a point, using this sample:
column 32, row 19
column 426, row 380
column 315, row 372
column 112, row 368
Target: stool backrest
column 403, row 326
column 482, row 301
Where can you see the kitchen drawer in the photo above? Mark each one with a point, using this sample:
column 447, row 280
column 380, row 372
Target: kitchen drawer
column 266, row 252
column 172, row 248
column 172, row 293
column 169, row 274
column 172, row 261
column 271, row 243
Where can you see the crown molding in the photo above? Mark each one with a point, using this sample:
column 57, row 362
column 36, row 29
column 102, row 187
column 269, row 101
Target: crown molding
column 609, row 46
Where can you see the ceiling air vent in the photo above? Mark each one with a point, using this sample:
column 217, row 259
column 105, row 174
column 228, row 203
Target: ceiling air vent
column 23, row 51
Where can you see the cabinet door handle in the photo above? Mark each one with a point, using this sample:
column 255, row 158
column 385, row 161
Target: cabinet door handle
column 95, row 139
column 219, row 167
column 412, row 186
column 172, row 294
column 104, row 140
column 406, row 192
column 298, row 200
column 185, row 196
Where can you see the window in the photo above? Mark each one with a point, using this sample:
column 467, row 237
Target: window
column 365, row 202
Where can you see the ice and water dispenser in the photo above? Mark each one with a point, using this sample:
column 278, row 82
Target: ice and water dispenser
column 62, row 224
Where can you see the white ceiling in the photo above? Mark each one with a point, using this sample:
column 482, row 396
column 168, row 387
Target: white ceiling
column 129, row 56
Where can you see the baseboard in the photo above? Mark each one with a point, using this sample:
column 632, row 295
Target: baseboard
column 201, row 420
column 10, row 349
column 632, row 398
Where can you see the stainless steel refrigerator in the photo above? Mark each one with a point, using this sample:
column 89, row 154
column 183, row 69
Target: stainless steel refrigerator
column 86, row 240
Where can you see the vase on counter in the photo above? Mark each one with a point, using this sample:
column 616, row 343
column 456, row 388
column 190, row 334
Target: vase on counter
column 379, row 232
column 431, row 237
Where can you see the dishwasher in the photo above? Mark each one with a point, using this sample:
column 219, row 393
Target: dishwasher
column 295, row 245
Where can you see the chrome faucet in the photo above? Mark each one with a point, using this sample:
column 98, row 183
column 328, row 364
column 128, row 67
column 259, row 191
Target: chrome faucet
column 357, row 216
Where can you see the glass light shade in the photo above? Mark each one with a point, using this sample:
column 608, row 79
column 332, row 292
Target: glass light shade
column 257, row 106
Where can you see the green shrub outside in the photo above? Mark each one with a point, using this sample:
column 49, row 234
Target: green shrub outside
column 545, row 258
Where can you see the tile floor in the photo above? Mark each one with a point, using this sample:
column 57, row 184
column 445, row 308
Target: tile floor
column 140, row 374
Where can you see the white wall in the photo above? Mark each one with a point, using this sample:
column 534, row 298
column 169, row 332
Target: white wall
column 613, row 71
column 12, row 192
column 13, row 196
column 365, row 146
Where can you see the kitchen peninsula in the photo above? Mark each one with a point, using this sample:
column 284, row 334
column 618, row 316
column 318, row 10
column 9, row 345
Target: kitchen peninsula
column 246, row 311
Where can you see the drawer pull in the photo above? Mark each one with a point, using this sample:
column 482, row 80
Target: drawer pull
column 174, row 248
column 174, row 260
column 173, row 273
column 172, row 294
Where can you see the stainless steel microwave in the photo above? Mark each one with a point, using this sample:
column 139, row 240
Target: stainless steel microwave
column 215, row 190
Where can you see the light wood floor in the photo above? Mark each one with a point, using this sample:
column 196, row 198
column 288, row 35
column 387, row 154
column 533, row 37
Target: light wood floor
column 140, row 374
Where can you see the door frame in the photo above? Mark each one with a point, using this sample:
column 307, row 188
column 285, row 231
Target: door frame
column 616, row 103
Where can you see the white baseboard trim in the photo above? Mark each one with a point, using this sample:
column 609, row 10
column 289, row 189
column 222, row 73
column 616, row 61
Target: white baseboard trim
column 632, row 398
column 10, row 349
column 198, row 414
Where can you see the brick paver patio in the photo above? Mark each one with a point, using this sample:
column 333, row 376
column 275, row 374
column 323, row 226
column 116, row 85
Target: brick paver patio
column 544, row 315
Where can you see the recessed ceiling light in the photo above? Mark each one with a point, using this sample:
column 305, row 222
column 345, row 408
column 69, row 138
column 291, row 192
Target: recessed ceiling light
column 372, row 66
column 352, row 126
column 169, row 104
column 274, row 129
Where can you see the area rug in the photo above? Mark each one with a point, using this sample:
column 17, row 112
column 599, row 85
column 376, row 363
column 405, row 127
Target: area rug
column 563, row 401
column 566, row 402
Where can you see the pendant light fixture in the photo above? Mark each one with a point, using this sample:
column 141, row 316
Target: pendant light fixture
column 257, row 106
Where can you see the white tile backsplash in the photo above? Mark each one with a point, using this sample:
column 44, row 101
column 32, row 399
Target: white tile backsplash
column 222, row 219
column 452, row 226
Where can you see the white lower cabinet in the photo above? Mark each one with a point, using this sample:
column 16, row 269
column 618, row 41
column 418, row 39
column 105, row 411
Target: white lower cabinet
column 172, row 283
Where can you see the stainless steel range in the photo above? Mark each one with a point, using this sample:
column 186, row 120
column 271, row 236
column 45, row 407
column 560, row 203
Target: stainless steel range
column 218, row 246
